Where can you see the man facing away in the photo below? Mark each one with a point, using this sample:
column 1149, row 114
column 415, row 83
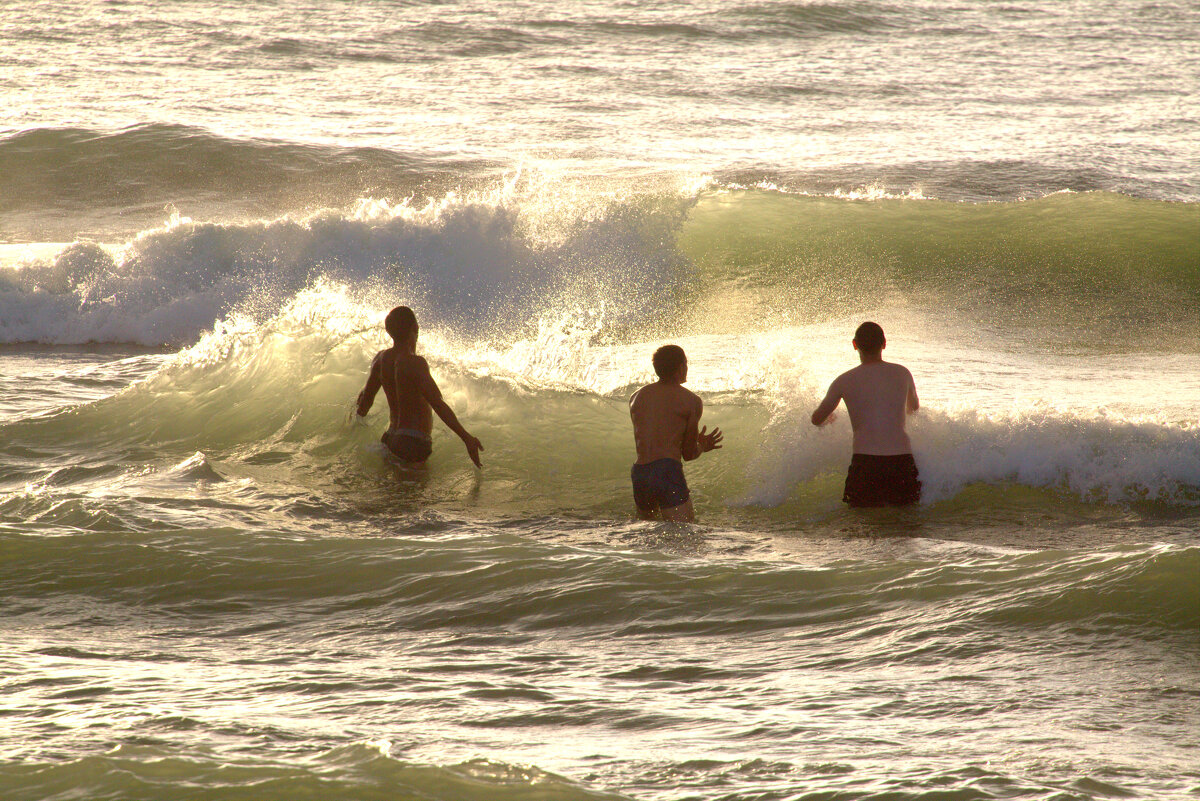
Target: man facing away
column 878, row 396
column 411, row 395
column 666, row 419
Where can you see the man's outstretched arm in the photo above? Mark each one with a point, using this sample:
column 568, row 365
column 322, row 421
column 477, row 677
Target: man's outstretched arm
column 429, row 390
column 691, row 433
column 696, row 442
column 824, row 412
column 367, row 396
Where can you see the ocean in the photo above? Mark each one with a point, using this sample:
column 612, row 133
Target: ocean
column 214, row 586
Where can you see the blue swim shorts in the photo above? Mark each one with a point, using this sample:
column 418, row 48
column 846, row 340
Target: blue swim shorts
column 659, row 485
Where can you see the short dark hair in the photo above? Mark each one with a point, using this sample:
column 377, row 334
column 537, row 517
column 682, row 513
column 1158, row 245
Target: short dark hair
column 400, row 322
column 869, row 338
column 667, row 360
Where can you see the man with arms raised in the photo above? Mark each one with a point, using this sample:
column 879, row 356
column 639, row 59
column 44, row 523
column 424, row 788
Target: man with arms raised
column 878, row 396
column 666, row 420
column 412, row 395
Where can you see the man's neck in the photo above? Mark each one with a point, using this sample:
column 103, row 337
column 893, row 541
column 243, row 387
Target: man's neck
column 870, row 358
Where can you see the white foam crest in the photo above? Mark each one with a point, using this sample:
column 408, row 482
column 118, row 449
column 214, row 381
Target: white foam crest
column 314, row 323
column 874, row 191
column 877, row 192
column 1102, row 457
column 573, row 349
column 478, row 259
column 791, row 450
column 251, row 383
column 565, row 353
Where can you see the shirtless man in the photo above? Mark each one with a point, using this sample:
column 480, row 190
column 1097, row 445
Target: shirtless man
column 411, row 395
column 666, row 419
column 878, row 396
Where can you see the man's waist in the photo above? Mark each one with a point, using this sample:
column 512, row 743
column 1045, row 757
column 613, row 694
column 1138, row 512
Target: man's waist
column 875, row 445
column 656, row 459
column 398, row 431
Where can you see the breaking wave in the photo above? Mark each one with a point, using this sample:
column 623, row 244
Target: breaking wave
column 697, row 258
column 279, row 391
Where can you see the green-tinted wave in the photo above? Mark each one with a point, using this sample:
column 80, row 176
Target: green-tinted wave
column 1103, row 265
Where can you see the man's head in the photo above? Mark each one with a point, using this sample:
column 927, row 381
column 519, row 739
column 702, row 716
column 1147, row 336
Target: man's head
column 401, row 323
column 869, row 339
column 670, row 363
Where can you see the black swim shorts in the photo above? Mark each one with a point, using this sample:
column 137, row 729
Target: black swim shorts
column 408, row 445
column 882, row 480
column 659, row 484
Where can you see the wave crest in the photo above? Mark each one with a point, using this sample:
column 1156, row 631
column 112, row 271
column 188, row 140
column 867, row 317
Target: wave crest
column 481, row 261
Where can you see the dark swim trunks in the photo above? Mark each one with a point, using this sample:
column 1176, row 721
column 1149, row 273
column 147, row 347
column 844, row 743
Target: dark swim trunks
column 408, row 445
column 882, row 480
column 659, row 484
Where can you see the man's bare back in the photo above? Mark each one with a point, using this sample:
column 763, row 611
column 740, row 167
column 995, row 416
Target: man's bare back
column 662, row 415
column 879, row 396
column 666, row 419
column 412, row 395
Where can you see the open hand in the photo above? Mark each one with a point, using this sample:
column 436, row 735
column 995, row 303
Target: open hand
column 710, row 442
column 474, row 446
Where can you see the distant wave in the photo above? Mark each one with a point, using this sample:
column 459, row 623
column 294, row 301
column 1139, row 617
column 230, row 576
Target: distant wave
column 59, row 184
column 815, row 19
column 56, row 182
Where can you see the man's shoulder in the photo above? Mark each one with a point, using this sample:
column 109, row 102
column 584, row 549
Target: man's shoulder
column 870, row 376
column 671, row 394
column 874, row 369
column 849, row 375
column 683, row 400
column 382, row 357
column 410, row 362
